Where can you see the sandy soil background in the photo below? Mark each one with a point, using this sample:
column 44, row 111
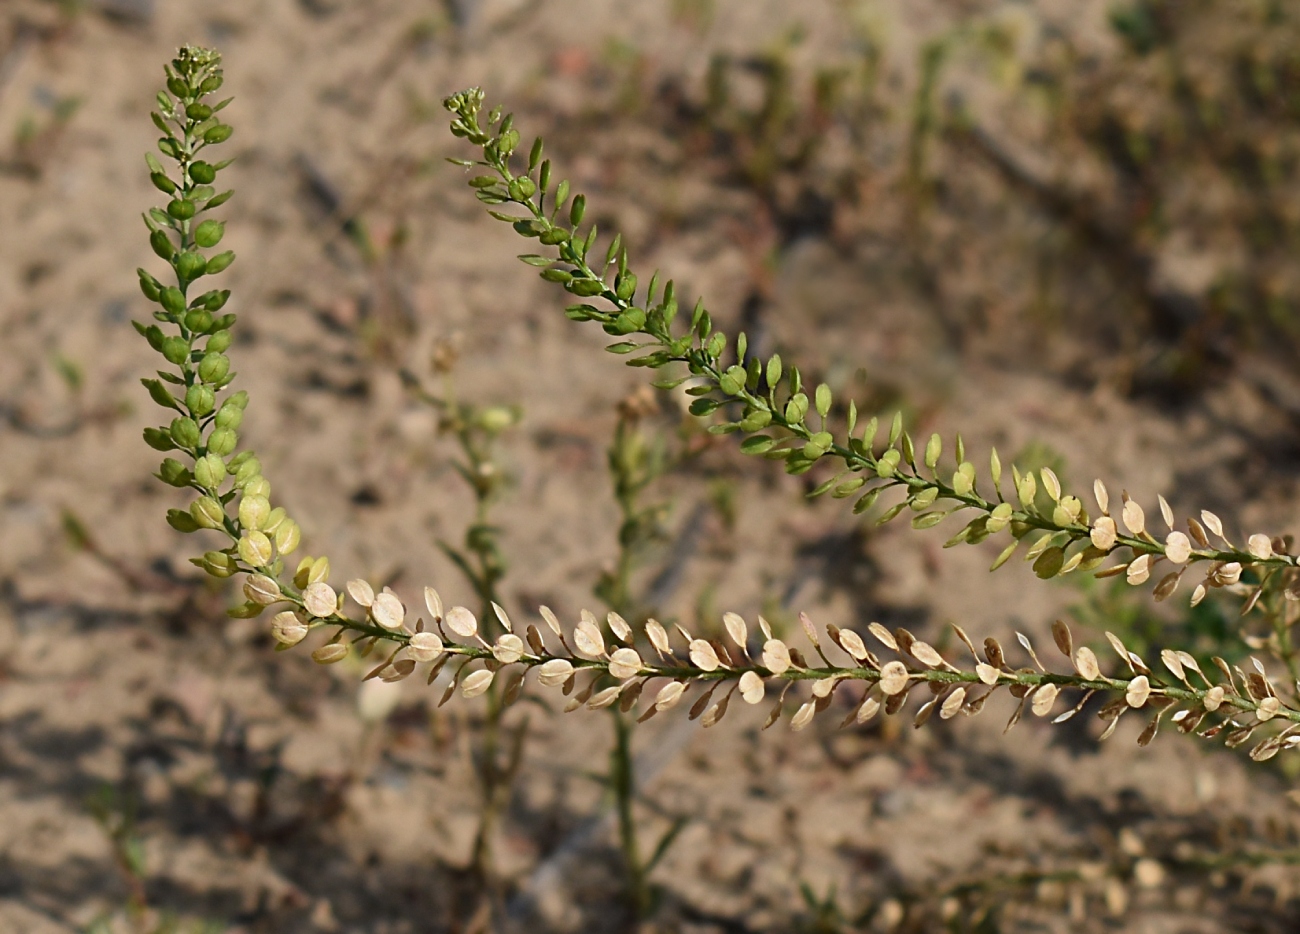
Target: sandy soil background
column 269, row 795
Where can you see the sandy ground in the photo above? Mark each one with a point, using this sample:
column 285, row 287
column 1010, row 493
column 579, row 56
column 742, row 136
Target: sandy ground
column 271, row 795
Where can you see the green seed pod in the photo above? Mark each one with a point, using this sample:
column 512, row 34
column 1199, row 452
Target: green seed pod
column 154, row 335
column 181, row 208
column 162, row 244
column 203, row 173
column 200, row 400
column 218, row 301
column 576, row 211
column 522, row 188
column 178, row 87
column 162, row 182
column 158, row 393
column 218, row 134
column 247, row 469
column 159, row 439
column 229, row 416
column 214, row 367
column 190, row 266
column 208, row 513
column 173, row 300
column 287, row 537
column 210, row 84
column 197, row 111
column 218, row 342
column 253, row 511
column 176, row 349
column 181, row 521
column 255, row 549
column 218, row 564
column 174, row 473
column 217, row 200
column 220, row 262
column 150, row 286
column 185, row 432
column 274, row 520
column 198, row 320
column 554, row 236
column 209, row 471
column 556, row 275
column 257, row 486
column 222, row 441
column 209, row 233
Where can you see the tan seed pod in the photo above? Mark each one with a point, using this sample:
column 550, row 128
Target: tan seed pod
column 1148, row 734
column 1134, row 518
column 514, row 687
column 1138, row 691
column 287, row 628
column 554, row 672
column 1178, row 548
column 605, row 698
column 1167, row 585
column 884, row 635
column 631, row 695
column 462, row 622
column 508, row 649
column 398, row 670
column 1044, row 698
column 952, row 704
column 752, row 688
column 1213, row 523
column 535, row 640
column 736, row 628
column 619, row 627
column 993, row 652
column 1213, row 698
column 387, row 610
column 703, row 655
column 893, row 678
column 262, row 590
column 701, row 703
column 1139, row 571
column 670, row 695
column 715, row 713
column 588, row 640
column 823, row 687
column 329, row 654
column 923, row 714
column 1061, row 636
column 1229, row 574
column 624, row 663
column 1198, row 594
column 852, row 643
column 1197, row 531
column 425, row 646
column 361, row 592
column 776, row 656
column 925, row 653
column 320, row 600
column 1102, row 497
column 503, row 616
column 867, row 709
column 1085, row 663
column 803, row 716
column 1166, row 513
column 658, row 636
column 1051, row 483
column 1174, row 664
column 477, row 683
column 1015, row 716
column 551, row 620
column 434, row 604
column 987, row 673
column 1268, row 708
column 765, row 628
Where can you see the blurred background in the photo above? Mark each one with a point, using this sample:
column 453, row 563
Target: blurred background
column 1067, row 229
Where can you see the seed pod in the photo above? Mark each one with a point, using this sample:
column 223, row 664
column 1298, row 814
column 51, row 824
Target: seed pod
column 209, row 233
column 387, row 610
column 287, row 537
column 554, row 672
column 253, row 511
column 173, row 472
column 218, row 134
column 1138, row 692
column 181, row 208
column 751, row 688
column 203, row 173
column 320, row 600
column 255, row 549
column 776, row 656
column 176, row 350
column 462, row 622
column 214, row 367
column 361, row 591
column 162, row 245
column 329, row 654
column 222, row 441
column 262, row 590
column 209, row 471
column 588, row 639
column 624, row 663
column 477, row 683
column 181, row 521
column 208, row 513
column 1085, row 663
column 893, row 678
column 220, row 263
column 508, row 649
column 190, row 266
column 703, row 655
column 288, row 629
column 218, row 564
column 670, row 695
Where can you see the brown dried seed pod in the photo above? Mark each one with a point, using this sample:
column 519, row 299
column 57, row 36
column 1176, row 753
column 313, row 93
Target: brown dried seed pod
column 715, row 713
column 1085, row 663
column 765, row 628
column 904, row 639
column 961, row 634
column 400, row 669
column 1112, row 709
column 631, row 695
column 923, row 715
column 894, row 702
column 1061, row 636
column 329, row 654
column 535, row 640
column 1015, row 716
column 1167, row 585
column 1138, row 691
column 514, row 687
column 702, row 702
column 893, row 678
column 1197, row 531
column 436, row 668
column 361, row 592
column 993, row 652
column 1148, row 734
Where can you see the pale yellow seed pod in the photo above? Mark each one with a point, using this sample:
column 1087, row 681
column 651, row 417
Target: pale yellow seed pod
column 670, row 695
column 925, row 653
column 329, row 654
column 319, row 571
column 1138, row 692
column 551, row 620
column 1102, row 497
column 1085, row 663
column 255, row 549
column 619, row 627
column 605, row 698
column 1213, row 698
column 751, row 688
column 425, row 646
column 274, row 520
column 508, row 649
column 587, row 639
column 884, row 635
column 361, row 592
column 554, row 672
column 1134, row 518
column 254, row 511
column 776, row 656
column 1178, row 548
column 434, row 604
column 208, row 513
column 1261, row 546
column 288, row 536
column 736, row 628
column 803, row 716
column 1051, row 483
column 1268, row 708
column 1044, row 698
column 952, row 704
column 462, row 622
column 1212, row 522
column 893, row 678
column 476, row 683
column 1229, row 574
column 262, row 590
column 287, row 628
column 1166, row 513
column 387, row 610
column 703, row 656
column 987, row 673
column 503, row 616
column 624, row 663
column 853, row 644
column 657, row 635
column 1140, row 570
column 320, row 600
column 1103, row 533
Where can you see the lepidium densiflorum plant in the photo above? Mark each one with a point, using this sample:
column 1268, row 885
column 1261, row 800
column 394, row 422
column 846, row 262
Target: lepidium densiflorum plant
column 653, row 667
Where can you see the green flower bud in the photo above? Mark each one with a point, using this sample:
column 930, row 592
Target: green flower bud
column 198, row 320
column 208, row 513
column 209, row 471
column 173, row 300
column 150, row 286
column 222, row 441
column 203, row 173
column 185, row 432
column 181, row 521
column 257, row 486
column 158, row 393
column 253, row 511
column 218, row 564
column 176, row 350
column 209, row 233
column 197, row 111
column 287, row 537
column 218, row 342
column 162, row 244
column 162, row 182
column 200, row 400
column 214, row 367
column 218, row 134
column 190, row 266
column 181, row 209
column 173, row 472
column 158, row 439
column 220, row 262
column 255, row 549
